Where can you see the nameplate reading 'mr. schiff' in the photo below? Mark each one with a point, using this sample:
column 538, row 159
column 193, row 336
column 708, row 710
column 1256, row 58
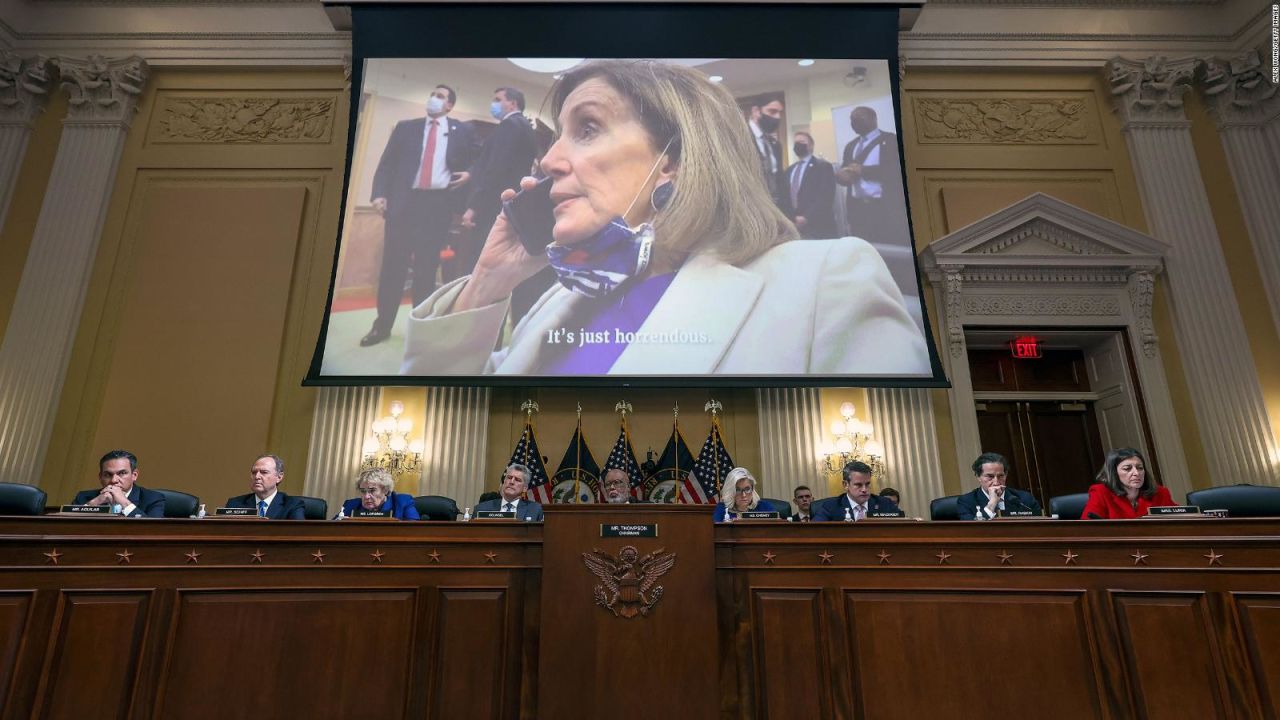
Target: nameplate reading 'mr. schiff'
column 1174, row 510
column 236, row 512
column 87, row 509
column 628, row 530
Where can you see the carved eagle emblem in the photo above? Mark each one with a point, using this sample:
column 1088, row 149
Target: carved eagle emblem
column 629, row 583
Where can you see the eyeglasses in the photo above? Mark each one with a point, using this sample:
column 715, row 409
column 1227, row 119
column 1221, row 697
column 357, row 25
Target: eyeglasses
column 743, row 490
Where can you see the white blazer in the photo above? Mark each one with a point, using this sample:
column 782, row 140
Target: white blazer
column 807, row 306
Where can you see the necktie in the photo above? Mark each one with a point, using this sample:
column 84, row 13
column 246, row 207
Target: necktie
column 262, row 508
column 859, row 512
column 428, row 154
column 508, row 508
column 795, row 183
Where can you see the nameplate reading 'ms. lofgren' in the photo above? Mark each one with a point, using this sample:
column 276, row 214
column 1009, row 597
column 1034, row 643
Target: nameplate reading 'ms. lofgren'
column 629, row 531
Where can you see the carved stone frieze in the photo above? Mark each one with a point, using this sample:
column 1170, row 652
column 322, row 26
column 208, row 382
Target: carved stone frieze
column 244, row 120
column 1042, row 305
column 1054, row 235
column 24, row 87
column 1150, row 91
column 1238, row 90
column 1142, row 286
column 1005, row 121
column 102, row 90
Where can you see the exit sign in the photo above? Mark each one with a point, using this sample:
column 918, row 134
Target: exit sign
column 1025, row 347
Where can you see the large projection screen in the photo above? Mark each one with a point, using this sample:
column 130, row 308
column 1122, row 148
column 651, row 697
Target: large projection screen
column 724, row 200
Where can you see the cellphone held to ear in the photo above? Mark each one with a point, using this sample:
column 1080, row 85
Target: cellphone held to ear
column 531, row 214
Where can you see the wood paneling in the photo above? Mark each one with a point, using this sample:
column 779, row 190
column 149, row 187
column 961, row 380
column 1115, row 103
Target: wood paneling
column 789, row 678
column 335, row 644
column 92, row 664
column 471, row 627
column 1260, row 628
column 14, row 614
column 1156, row 628
column 990, row 654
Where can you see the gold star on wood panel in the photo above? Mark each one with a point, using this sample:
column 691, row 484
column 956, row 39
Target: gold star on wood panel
column 257, row 555
column 1213, row 558
column 1006, row 557
column 1139, row 558
column 943, row 557
column 826, row 557
column 1070, row 558
column 52, row 557
column 193, row 556
column 491, row 556
column 124, row 557
column 768, row 557
column 884, row 557
column 434, row 555
column 318, row 556
column 377, row 555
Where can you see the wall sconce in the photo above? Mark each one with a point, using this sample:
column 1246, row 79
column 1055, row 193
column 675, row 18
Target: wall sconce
column 389, row 447
column 852, row 441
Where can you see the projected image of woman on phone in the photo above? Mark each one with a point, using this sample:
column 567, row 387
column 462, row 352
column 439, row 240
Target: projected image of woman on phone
column 671, row 256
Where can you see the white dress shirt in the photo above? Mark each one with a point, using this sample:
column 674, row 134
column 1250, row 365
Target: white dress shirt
column 861, row 187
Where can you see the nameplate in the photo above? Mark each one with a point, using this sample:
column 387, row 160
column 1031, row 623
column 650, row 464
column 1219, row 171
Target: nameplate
column 1174, row 510
column 887, row 514
column 87, row 509
column 367, row 514
column 1019, row 513
column 236, row 512
column 628, row 531
column 759, row 515
column 494, row 515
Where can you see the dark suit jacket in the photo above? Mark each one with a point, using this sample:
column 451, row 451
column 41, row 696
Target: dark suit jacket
column 148, row 503
column 402, row 159
column 282, row 506
column 833, row 508
column 506, row 157
column 815, row 200
column 400, row 505
column 525, row 510
column 886, row 171
column 1014, row 499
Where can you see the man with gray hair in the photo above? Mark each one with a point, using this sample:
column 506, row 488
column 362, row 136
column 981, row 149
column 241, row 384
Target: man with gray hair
column 511, row 495
column 617, row 487
column 264, row 477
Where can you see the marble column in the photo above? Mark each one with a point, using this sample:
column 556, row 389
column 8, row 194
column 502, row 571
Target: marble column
column 24, row 91
column 1246, row 107
column 455, row 443
column 903, row 420
column 1224, row 386
column 790, row 438
column 343, row 416
column 46, row 312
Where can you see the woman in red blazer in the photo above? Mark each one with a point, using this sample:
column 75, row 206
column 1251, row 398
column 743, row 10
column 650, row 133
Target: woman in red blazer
column 1124, row 489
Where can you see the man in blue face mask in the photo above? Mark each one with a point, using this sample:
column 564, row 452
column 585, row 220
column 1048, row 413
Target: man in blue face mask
column 420, row 184
column 506, row 157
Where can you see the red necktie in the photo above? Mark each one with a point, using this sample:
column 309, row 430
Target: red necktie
column 428, row 154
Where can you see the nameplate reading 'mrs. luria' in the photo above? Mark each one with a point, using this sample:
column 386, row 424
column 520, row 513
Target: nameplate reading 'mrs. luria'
column 87, row 509
column 235, row 512
column 1174, row 510
column 628, row 530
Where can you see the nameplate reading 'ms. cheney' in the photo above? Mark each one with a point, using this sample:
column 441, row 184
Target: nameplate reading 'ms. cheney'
column 628, row 530
column 87, row 509
column 629, row 583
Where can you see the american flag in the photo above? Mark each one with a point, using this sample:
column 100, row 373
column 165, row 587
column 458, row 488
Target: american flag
column 712, row 465
column 624, row 457
column 527, row 454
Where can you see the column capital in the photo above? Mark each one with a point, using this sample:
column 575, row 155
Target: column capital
column 1148, row 93
column 1238, row 92
column 103, row 90
column 24, row 87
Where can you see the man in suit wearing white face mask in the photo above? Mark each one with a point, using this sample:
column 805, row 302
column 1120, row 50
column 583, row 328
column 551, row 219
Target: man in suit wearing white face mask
column 420, row 184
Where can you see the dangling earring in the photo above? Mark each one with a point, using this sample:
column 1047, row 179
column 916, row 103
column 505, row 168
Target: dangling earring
column 661, row 195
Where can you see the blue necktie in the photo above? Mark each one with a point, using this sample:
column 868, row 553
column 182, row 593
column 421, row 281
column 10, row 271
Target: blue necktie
column 262, row 508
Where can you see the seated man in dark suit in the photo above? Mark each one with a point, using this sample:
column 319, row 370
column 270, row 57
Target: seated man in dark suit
column 992, row 495
column 511, row 499
column 857, row 501
column 118, row 473
column 266, row 474
column 803, row 498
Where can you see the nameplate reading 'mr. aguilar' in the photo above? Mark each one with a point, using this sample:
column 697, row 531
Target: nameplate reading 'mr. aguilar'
column 87, row 509
column 628, row 531
column 236, row 512
column 1174, row 510
column 495, row 515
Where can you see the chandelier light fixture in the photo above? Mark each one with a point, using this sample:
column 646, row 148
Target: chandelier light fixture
column 389, row 447
column 852, row 440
